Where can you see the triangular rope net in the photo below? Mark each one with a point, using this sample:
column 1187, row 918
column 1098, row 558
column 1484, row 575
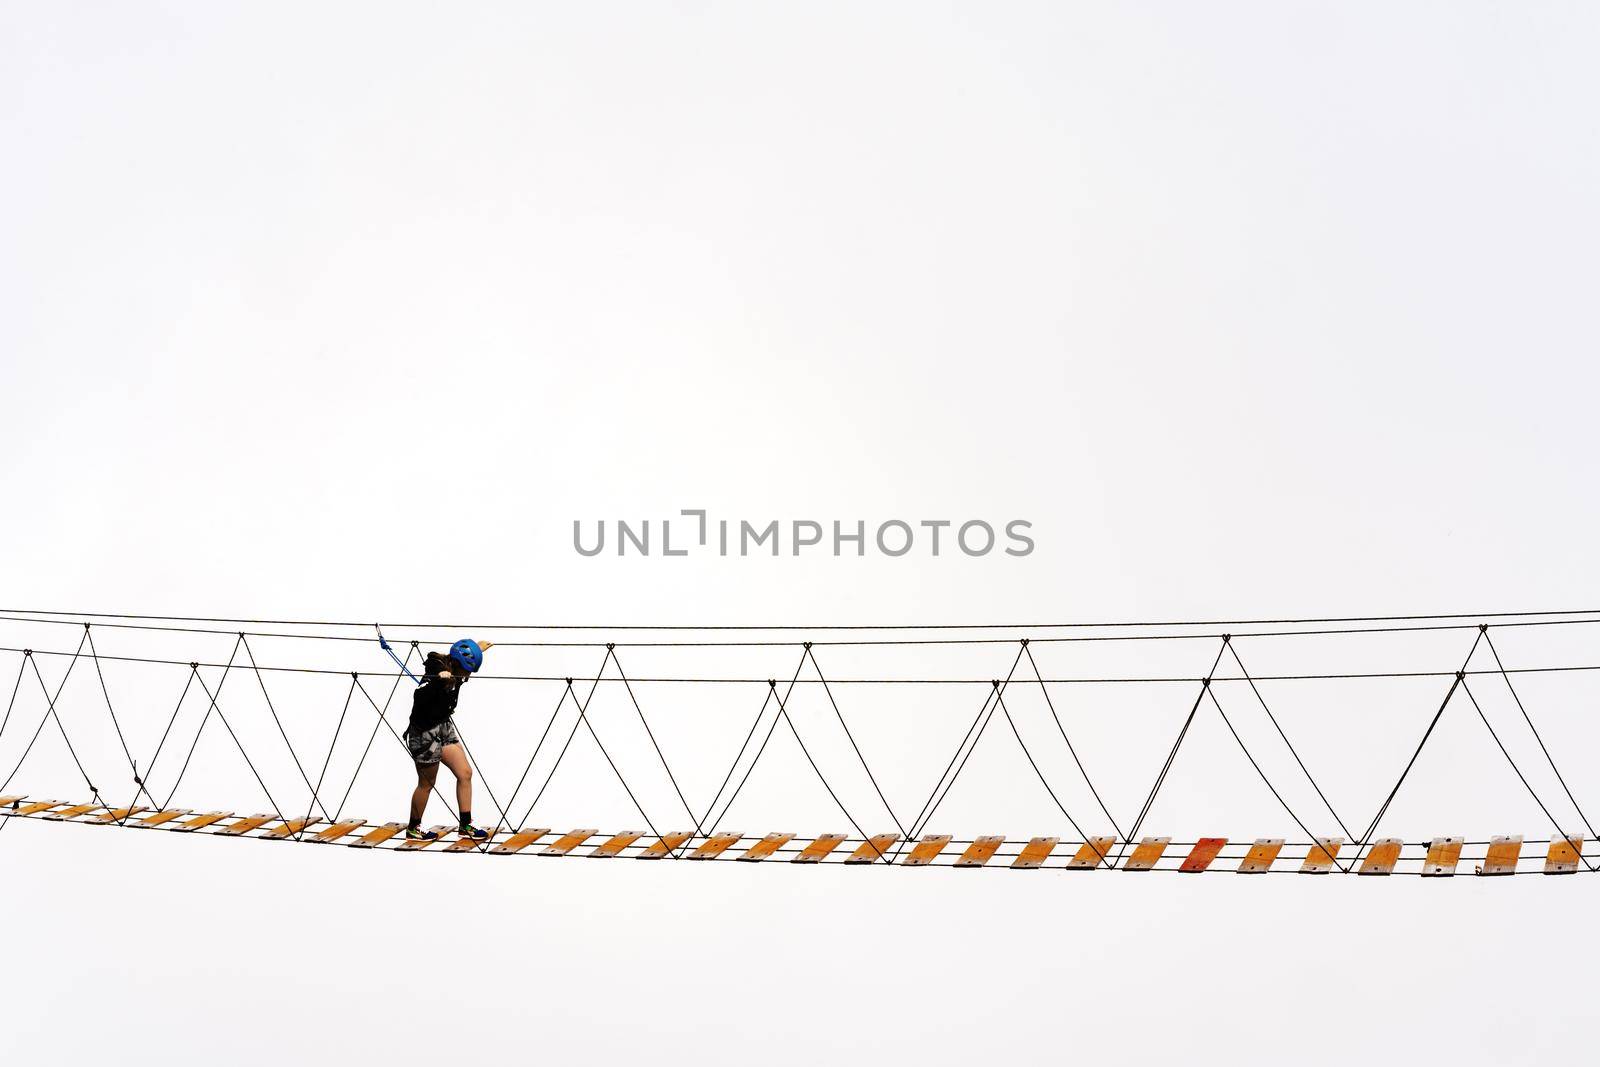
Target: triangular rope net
column 908, row 744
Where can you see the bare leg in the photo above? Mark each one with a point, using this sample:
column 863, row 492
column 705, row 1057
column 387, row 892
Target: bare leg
column 455, row 757
column 426, row 773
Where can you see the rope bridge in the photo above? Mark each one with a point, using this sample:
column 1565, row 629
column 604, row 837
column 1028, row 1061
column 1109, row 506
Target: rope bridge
column 904, row 842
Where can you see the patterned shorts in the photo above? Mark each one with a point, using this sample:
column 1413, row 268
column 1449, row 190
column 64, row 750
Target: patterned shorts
column 426, row 746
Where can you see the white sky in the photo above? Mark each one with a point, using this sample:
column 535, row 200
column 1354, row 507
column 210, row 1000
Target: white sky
column 1252, row 309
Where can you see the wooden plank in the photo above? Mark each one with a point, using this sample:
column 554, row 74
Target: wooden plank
column 72, row 813
column 520, row 840
column 161, row 818
column 669, row 843
column 338, row 830
column 1443, row 855
column 819, row 849
column 410, row 845
column 293, row 826
column 1502, row 855
column 874, row 849
column 117, row 814
column 981, row 851
column 200, row 822
column 613, row 847
column 467, row 844
column 766, row 847
column 1146, row 853
column 378, row 835
column 1563, row 856
column 245, row 825
column 1382, row 857
column 1034, row 853
column 13, row 800
column 36, row 806
column 1321, row 856
column 1200, row 856
column 1091, row 854
column 716, row 845
column 567, row 842
column 1259, row 859
column 926, row 850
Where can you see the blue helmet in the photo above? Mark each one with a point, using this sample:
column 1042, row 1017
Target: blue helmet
column 467, row 654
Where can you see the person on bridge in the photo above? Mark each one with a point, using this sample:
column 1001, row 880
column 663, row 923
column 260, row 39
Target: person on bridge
column 431, row 734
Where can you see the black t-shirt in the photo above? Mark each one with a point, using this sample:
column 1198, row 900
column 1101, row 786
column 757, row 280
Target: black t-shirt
column 435, row 699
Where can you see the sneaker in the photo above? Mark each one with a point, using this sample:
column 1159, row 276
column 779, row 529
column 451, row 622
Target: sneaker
column 472, row 833
column 414, row 833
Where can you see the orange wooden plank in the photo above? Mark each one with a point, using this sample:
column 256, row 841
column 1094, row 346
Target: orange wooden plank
column 1146, row 853
column 1502, row 855
column 72, row 812
column 614, row 846
column 161, row 818
column 520, row 840
column 716, row 845
column 670, row 842
column 926, row 850
column 244, row 826
column 116, row 814
column 1443, row 855
column 9, row 801
column 567, row 842
column 1320, row 857
column 1259, row 859
column 1563, row 856
column 1034, row 853
column 378, row 835
column 981, row 851
column 1091, row 854
column 338, row 830
column 467, row 844
column 36, row 806
column 818, row 849
column 410, row 845
column 766, row 847
column 1382, row 858
column 200, row 822
column 1200, row 856
column 293, row 826
column 874, row 849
